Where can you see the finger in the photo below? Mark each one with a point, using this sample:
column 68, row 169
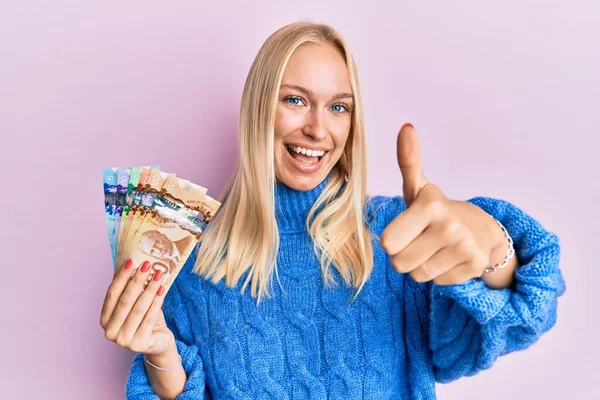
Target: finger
column 425, row 246
column 153, row 315
column 409, row 161
column 437, row 235
column 403, row 229
column 470, row 268
column 141, row 306
column 118, row 284
column 443, row 261
column 160, row 319
column 132, row 291
column 457, row 275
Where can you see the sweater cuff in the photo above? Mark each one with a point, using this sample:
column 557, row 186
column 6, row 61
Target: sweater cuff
column 538, row 280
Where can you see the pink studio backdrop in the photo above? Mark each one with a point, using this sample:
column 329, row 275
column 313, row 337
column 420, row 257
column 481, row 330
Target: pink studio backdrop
column 505, row 97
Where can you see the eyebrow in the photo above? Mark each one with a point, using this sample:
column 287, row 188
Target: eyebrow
column 310, row 93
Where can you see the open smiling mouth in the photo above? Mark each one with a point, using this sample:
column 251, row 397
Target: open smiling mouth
column 309, row 157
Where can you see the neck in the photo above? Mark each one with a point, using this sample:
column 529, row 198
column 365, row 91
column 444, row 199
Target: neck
column 292, row 206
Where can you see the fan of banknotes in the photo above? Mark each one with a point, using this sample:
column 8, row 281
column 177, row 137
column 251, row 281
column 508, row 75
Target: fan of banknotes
column 154, row 216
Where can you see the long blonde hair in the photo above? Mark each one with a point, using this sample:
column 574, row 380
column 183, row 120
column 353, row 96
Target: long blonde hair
column 243, row 236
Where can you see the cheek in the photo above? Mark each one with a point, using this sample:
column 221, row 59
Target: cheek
column 285, row 123
column 279, row 128
column 340, row 135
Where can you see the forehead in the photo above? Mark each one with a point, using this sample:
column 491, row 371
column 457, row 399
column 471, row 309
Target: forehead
column 318, row 67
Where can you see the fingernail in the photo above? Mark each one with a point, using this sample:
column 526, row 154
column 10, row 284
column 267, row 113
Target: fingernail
column 145, row 266
column 128, row 264
column 157, row 275
column 407, row 124
column 161, row 289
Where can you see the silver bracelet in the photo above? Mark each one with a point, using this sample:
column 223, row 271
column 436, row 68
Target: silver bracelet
column 161, row 368
column 510, row 253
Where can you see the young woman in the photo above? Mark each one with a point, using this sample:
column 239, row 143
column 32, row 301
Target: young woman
column 303, row 287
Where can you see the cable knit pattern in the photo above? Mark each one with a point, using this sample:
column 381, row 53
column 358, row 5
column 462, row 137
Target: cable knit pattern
column 344, row 382
column 311, row 341
column 266, row 361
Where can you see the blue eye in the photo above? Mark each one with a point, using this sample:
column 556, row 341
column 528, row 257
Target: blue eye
column 292, row 98
column 344, row 109
column 293, row 101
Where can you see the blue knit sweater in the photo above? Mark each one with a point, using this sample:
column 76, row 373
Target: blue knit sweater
column 394, row 341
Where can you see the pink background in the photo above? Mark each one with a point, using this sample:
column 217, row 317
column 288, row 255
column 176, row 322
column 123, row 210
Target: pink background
column 505, row 97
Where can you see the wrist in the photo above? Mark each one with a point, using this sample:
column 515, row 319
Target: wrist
column 167, row 358
column 503, row 261
column 499, row 251
column 166, row 373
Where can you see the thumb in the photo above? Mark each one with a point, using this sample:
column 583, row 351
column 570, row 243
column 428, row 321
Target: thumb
column 409, row 160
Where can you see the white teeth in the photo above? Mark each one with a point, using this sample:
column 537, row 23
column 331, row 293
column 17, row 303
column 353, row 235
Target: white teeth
column 308, row 152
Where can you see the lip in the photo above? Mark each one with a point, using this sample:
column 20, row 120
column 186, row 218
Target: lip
column 301, row 167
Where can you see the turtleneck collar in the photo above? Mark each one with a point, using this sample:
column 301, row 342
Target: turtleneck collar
column 292, row 206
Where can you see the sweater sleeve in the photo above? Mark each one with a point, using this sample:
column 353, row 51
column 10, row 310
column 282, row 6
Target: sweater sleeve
column 138, row 386
column 472, row 325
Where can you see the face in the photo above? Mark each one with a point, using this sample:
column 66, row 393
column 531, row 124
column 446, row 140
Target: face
column 313, row 117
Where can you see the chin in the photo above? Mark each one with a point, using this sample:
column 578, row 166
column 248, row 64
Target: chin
column 302, row 183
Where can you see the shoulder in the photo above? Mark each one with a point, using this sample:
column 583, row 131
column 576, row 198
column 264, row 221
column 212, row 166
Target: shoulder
column 380, row 210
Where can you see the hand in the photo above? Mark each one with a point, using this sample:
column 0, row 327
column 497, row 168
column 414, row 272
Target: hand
column 132, row 316
column 436, row 238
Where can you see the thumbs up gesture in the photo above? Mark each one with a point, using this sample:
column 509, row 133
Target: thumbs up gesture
column 436, row 238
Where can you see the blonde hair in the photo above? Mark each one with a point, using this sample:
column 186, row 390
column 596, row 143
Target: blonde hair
column 243, row 236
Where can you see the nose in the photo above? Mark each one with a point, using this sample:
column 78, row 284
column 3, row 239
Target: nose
column 315, row 126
